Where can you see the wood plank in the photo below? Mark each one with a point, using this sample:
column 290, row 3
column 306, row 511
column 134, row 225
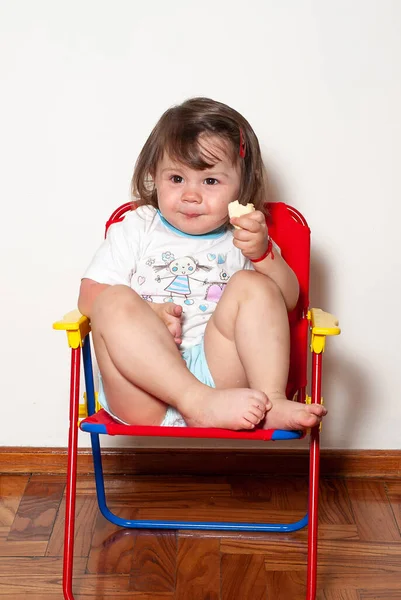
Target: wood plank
column 91, row 594
column 154, row 562
column 373, row 515
column 15, row 571
column 198, row 569
column 28, row 566
column 355, row 578
column 333, row 532
column 23, row 548
column 340, row 556
column 374, row 595
column 111, row 546
column 204, row 499
column 37, row 510
column 87, row 594
column 341, row 595
column 275, row 493
column 49, row 584
column 11, row 491
column 286, row 585
column 218, row 512
column 125, row 488
column 334, row 503
column 267, row 460
column 393, row 489
column 243, row 577
column 86, row 512
column 166, row 490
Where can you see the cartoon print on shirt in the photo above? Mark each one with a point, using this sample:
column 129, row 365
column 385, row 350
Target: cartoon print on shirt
column 167, row 257
column 221, row 258
column 214, row 292
column 182, row 270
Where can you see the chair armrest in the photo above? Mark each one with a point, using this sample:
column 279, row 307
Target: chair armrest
column 322, row 324
column 77, row 327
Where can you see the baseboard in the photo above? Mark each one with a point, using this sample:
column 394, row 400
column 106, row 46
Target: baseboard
column 128, row 461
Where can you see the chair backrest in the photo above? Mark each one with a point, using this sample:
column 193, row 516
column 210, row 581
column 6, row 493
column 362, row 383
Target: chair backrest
column 290, row 231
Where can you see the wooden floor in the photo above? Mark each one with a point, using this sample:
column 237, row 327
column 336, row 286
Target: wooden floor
column 359, row 539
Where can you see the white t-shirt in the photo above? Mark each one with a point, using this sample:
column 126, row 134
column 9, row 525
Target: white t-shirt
column 164, row 264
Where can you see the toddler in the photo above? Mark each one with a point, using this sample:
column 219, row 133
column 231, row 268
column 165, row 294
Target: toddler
column 189, row 307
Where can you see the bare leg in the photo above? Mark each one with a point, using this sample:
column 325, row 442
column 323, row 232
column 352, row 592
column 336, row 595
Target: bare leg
column 247, row 342
column 143, row 370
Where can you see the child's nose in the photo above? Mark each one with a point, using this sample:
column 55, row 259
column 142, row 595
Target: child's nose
column 191, row 194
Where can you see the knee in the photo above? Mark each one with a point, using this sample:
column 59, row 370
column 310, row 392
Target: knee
column 113, row 302
column 252, row 285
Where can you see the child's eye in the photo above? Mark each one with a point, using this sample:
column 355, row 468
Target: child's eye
column 211, row 181
column 176, row 179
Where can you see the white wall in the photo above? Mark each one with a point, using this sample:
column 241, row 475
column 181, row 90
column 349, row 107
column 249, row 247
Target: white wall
column 84, row 81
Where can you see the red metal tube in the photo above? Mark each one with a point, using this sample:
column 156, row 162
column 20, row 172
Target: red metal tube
column 69, row 531
column 314, row 467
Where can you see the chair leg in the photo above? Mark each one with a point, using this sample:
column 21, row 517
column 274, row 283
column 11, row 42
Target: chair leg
column 314, row 469
column 69, row 530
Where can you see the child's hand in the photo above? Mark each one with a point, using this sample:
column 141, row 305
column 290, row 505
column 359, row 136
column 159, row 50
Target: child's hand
column 252, row 239
column 170, row 314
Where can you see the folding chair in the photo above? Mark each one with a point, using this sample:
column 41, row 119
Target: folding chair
column 290, row 231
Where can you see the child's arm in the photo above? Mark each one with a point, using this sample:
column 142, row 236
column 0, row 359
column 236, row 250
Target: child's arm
column 252, row 239
column 88, row 292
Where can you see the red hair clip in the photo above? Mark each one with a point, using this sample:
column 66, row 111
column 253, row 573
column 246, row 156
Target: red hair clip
column 242, row 145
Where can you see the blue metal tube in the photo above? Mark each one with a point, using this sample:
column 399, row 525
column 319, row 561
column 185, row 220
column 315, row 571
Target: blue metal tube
column 95, row 441
column 99, row 479
column 204, row 525
column 196, row 525
column 155, row 524
column 88, row 372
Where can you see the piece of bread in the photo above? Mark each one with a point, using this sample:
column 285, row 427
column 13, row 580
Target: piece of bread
column 235, row 209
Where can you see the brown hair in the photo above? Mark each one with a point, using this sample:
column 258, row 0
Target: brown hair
column 178, row 132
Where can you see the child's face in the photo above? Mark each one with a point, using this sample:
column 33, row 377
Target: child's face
column 196, row 201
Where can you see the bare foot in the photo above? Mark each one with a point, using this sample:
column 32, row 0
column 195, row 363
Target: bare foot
column 240, row 408
column 286, row 414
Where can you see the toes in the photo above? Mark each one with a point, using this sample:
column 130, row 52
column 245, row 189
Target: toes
column 252, row 417
column 261, row 399
column 318, row 409
column 257, row 411
column 313, row 420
